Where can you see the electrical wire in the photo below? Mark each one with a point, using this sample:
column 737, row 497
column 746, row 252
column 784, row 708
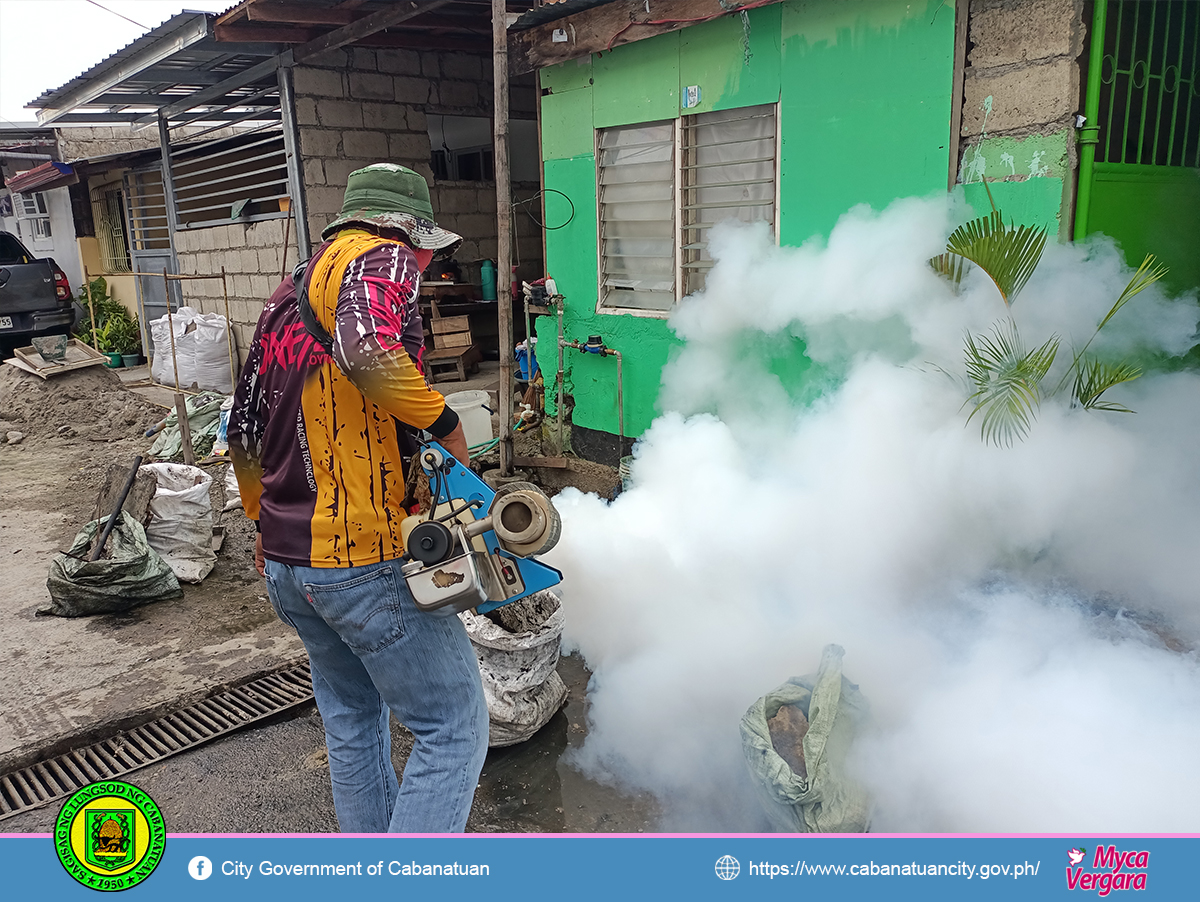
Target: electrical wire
column 524, row 205
column 118, row 15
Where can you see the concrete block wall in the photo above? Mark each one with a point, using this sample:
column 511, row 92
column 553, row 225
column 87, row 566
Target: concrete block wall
column 77, row 142
column 362, row 106
column 253, row 257
column 1021, row 91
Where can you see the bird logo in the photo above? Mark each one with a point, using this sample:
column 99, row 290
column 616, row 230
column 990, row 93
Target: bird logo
column 1076, row 856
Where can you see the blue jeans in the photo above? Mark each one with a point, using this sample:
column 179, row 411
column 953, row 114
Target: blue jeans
column 372, row 650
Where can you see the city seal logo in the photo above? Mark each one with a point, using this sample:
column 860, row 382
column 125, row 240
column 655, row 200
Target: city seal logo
column 109, row 836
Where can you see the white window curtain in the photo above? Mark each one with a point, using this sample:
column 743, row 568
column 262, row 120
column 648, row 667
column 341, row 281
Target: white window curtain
column 727, row 172
column 637, row 216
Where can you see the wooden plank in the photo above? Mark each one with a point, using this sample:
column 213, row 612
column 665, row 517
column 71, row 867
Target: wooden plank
column 299, row 14
column 451, row 324
column 601, row 28
column 452, row 340
column 961, row 13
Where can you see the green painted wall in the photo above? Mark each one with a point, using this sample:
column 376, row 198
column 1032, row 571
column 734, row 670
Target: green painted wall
column 864, row 91
column 1026, row 177
column 866, row 107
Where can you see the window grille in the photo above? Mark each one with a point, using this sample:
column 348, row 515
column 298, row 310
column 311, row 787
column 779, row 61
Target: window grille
column 147, row 211
column 33, row 217
column 33, row 204
column 727, row 172
column 1150, row 84
column 110, row 228
column 636, row 193
column 244, row 177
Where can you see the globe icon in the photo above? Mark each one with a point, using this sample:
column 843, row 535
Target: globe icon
column 728, row 867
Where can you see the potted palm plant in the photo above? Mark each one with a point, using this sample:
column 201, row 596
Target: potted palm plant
column 106, row 342
column 128, row 339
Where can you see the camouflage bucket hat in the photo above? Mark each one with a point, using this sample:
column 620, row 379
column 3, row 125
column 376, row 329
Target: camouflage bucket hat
column 393, row 197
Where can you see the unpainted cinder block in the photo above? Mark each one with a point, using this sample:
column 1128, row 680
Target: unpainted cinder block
column 1019, row 99
column 316, row 142
column 398, row 62
column 340, row 113
column 306, row 111
column 462, row 65
column 410, row 89
column 410, row 148
column 318, row 82
column 458, row 94
column 366, row 145
column 1018, row 32
column 371, row 86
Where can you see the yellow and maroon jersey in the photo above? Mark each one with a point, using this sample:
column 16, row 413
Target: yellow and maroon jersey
column 316, row 441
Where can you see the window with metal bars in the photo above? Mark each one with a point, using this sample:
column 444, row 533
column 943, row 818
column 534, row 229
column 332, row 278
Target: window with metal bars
column 636, row 193
column 1150, row 83
column 241, row 178
column 727, row 171
column 109, row 218
column 724, row 166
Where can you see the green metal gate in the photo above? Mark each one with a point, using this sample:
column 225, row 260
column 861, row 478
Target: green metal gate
column 1139, row 174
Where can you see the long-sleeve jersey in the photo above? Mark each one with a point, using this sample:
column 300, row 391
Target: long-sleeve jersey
column 315, row 441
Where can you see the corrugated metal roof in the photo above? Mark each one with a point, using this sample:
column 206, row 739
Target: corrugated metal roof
column 166, row 30
column 48, row 175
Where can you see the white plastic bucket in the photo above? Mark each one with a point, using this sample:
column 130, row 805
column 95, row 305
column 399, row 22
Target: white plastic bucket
column 476, row 422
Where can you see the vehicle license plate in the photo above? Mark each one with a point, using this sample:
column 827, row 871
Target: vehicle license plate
column 6, row 322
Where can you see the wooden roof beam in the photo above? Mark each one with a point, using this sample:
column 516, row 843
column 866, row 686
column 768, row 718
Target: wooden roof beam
column 610, row 25
column 366, row 26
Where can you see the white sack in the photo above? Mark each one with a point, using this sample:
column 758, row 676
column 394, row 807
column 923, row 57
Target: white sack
column 181, row 520
column 233, row 493
column 161, row 369
column 201, row 349
column 520, row 680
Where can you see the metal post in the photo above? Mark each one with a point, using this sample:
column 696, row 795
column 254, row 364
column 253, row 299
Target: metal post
column 291, row 147
column 1089, row 135
column 168, row 180
column 503, row 231
column 229, row 332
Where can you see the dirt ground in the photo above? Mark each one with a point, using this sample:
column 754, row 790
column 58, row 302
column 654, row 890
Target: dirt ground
column 67, row 677
column 70, row 679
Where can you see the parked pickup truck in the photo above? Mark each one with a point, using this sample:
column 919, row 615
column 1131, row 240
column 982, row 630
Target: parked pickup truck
column 35, row 298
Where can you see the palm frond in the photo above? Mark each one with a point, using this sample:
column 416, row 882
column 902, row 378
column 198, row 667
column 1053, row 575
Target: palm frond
column 1094, row 377
column 1147, row 274
column 1007, row 381
column 951, row 267
column 1008, row 254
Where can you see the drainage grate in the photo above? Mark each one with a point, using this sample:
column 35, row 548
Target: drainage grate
column 56, row 778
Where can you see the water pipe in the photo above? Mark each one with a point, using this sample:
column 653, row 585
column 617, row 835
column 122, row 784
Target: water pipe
column 595, row 345
column 559, row 303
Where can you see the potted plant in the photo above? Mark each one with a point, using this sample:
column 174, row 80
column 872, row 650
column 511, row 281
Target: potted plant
column 106, row 342
column 128, row 339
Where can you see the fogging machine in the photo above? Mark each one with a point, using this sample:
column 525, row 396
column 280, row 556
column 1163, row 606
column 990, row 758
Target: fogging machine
column 475, row 547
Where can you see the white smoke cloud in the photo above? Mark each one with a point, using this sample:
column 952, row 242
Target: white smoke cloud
column 981, row 594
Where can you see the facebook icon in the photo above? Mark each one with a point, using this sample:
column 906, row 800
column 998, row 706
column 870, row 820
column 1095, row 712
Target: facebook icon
column 200, row 868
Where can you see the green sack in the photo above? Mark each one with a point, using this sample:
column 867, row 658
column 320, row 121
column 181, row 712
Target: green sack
column 204, row 419
column 827, row 801
column 132, row 575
